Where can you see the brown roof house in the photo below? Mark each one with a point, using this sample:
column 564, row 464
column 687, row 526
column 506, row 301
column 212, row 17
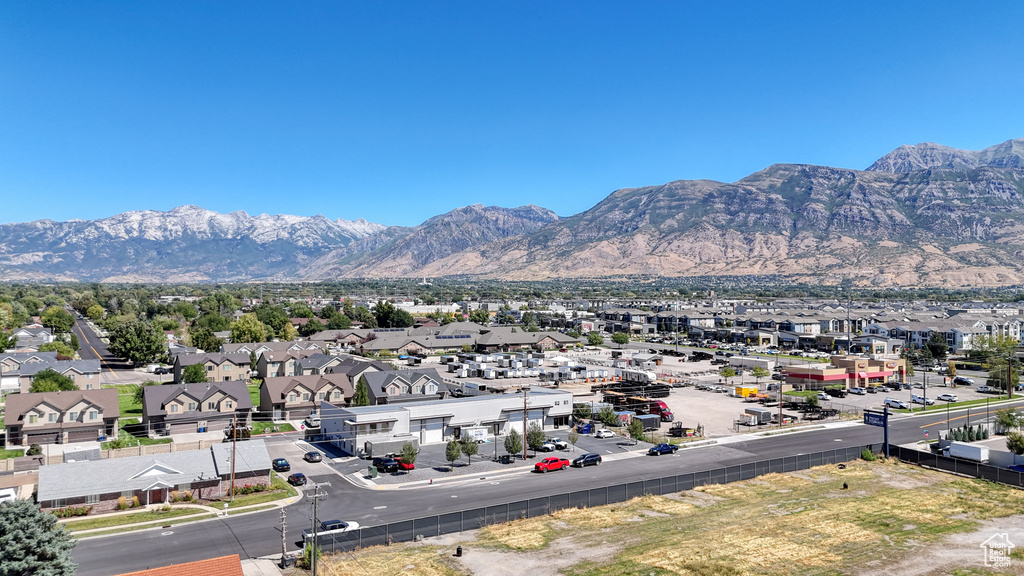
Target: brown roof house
column 202, row 407
column 61, row 417
column 219, row 367
column 295, row 397
column 223, row 566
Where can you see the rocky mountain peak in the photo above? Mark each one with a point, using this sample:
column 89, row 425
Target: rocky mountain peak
column 928, row 155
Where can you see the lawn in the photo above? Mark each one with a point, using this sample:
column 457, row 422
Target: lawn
column 125, row 519
column 279, row 490
column 136, row 440
column 268, row 427
column 4, row 454
column 254, row 394
column 126, row 399
column 894, row 517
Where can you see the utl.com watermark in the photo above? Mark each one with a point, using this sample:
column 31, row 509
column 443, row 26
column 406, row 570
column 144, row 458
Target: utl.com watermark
column 997, row 549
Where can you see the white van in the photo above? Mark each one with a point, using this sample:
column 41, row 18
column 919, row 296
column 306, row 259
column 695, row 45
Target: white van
column 8, row 495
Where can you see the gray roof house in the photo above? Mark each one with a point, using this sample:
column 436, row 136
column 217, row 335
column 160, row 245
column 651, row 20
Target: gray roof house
column 201, row 407
column 85, row 373
column 61, row 417
column 151, row 478
column 404, row 386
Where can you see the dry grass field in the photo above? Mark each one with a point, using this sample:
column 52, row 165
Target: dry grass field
column 893, row 519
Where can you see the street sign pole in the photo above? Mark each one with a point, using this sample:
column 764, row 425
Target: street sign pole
column 886, row 438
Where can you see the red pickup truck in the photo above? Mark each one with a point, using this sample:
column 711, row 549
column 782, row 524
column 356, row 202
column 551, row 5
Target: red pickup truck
column 551, row 463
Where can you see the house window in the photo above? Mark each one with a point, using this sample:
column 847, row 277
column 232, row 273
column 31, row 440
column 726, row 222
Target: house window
column 230, row 405
column 305, row 396
column 337, row 394
column 209, row 368
column 211, row 405
column 88, row 386
column 51, row 417
column 191, row 406
column 227, row 378
column 226, row 367
column 128, row 494
column 185, row 486
column 92, row 499
column 174, row 408
column 320, row 396
column 89, row 376
column 72, row 416
column 93, row 414
column 292, row 397
column 33, row 419
column 373, row 428
column 60, row 503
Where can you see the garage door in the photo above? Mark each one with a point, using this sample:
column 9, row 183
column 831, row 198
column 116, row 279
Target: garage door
column 42, row 438
column 83, row 435
column 216, row 425
column 432, row 431
column 183, row 428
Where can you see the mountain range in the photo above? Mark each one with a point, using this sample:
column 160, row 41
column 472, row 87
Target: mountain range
column 923, row 215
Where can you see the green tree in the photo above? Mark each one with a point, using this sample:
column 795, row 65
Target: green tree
column 288, row 333
column 7, row 341
column 595, row 338
column 1008, row 419
column 514, row 443
column 186, row 310
column 57, row 319
column 50, row 380
column 727, row 372
column 193, row 373
column 607, row 416
column 214, row 322
column 758, row 372
column 337, row 322
column 480, row 316
column 137, row 392
column 360, row 396
column 33, row 542
column 137, row 341
column 205, row 340
column 937, row 346
column 452, row 452
column 409, row 453
column 620, row 338
column 64, row 352
column 636, row 429
column 581, row 411
column 535, row 437
column 812, row 401
column 300, row 310
column 248, row 328
column 574, row 437
column 469, row 449
column 1015, row 443
column 997, row 351
column 95, row 312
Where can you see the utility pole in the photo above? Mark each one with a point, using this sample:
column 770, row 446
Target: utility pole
column 525, row 390
column 234, row 440
column 316, row 497
column 284, row 545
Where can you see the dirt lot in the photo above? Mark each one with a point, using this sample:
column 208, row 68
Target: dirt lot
column 892, row 519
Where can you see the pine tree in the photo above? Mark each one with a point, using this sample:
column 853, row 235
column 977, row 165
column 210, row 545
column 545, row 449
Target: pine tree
column 32, row 542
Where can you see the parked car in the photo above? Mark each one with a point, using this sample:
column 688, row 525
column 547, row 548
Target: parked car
column 921, row 400
column 546, row 447
column 312, row 457
column 385, row 464
column 823, row 396
column 587, row 460
column 836, row 392
column 281, row 465
column 883, row 389
column 403, row 466
column 559, row 443
column 604, row 433
column 948, row 397
column 161, row 370
column 551, row 463
column 331, row 525
column 858, row 390
column 297, row 479
column 987, row 390
column 961, row 381
column 659, row 449
column 894, row 403
column 871, row 390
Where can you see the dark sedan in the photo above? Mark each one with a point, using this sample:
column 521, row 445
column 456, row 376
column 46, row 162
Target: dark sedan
column 297, row 479
column 312, row 457
column 587, row 460
column 281, row 465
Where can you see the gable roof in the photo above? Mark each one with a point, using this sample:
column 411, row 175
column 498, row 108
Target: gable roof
column 223, row 566
column 280, row 386
column 19, row 404
column 62, row 366
column 238, row 359
column 154, row 397
column 377, row 382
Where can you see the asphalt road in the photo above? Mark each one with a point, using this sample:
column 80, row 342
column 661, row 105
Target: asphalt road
column 91, row 347
column 258, row 534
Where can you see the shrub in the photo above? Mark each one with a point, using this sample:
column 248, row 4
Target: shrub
column 249, row 489
column 868, row 455
column 175, row 495
column 984, row 433
column 122, row 503
column 135, row 501
column 34, row 450
column 72, row 511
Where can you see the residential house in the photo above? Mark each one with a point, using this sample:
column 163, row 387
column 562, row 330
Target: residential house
column 85, row 373
column 254, row 349
column 152, row 478
column 61, row 417
column 10, row 365
column 507, row 339
column 404, row 386
column 219, row 367
column 199, row 407
column 30, row 338
column 273, row 364
column 223, row 566
column 295, row 397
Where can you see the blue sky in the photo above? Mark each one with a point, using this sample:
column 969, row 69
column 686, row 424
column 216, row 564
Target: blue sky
column 398, row 111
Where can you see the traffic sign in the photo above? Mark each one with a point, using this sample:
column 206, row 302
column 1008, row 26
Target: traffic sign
column 874, row 418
